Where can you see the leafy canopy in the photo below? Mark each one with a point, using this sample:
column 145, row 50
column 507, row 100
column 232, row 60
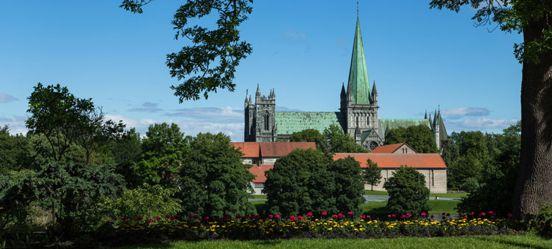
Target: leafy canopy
column 372, row 174
column 407, row 191
column 208, row 62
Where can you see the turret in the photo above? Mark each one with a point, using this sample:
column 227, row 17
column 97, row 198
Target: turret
column 374, row 95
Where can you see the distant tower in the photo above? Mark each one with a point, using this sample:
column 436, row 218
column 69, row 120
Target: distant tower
column 359, row 106
column 260, row 123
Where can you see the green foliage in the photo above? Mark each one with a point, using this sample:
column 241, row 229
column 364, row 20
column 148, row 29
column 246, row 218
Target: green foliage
column 543, row 222
column 142, row 205
column 498, row 178
column 467, row 154
column 337, row 141
column 14, row 151
column 208, row 61
column 213, row 180
column 163, row 152
column 308, row 135
column 419, row 137
column 372, row 174
column 407, row 191
column 349, row 185
column 300, row 182
column 65, row 120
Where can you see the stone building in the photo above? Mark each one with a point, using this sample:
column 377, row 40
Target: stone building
column 357, row 115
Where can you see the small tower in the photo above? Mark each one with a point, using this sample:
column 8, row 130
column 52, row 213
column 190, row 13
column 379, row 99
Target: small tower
column 249, row 119
column 264, row 114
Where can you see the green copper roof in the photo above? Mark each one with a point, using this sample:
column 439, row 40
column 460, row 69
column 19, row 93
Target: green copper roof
column 358, row 74
column 290, row 122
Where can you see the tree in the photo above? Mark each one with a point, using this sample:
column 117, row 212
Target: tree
column 407, row 191
column 14, row 151
column 213, row 181
column 349, row 185
column 163, row 151
column 372, row 174
column 499, row 177
column 209, row 62
column 66, row 120
column 532, row 18
column 308, row 135
column 300, row 182
column 419, row 137
column 337, row 141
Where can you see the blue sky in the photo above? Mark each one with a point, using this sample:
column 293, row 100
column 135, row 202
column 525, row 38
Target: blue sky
column 420, row 59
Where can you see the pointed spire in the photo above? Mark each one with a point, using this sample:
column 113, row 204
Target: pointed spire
column 358, row 74
column 425, row 115
column 343, row 94
column 258, row 93
column 246, row 102
column 374, row 90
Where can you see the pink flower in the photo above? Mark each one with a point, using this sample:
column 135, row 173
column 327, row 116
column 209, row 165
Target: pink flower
column 363, row 216
column 340, row 215
column 350, row 213
column 270, row 216
column 491, row 213
column 277, row 216
column 300, row 217
column 482, row 214
column 309, row 214
column 334, row 216
column 423, row 214
column 292, row 218
column 324, row 213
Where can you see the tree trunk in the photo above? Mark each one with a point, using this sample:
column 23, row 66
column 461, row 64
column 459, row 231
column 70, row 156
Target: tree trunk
column 534, row 186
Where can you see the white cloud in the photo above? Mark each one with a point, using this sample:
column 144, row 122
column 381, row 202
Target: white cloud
column 481, row 123
column 6, row 98
column 461, row 112
column 147, row 107
column 16, row 124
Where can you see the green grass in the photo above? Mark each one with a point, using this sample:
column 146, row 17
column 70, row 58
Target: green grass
column 435, row 207
column 487, row 242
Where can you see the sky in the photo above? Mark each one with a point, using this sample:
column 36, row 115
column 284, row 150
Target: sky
column 420, row 58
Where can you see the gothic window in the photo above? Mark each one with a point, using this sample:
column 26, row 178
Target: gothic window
column 432, row 178
column 356, row 121
column 368, row 120
column 266, row 121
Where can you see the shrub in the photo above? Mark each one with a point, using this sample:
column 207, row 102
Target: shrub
column 543, row 222
column 349, row 185
column 147, row 204
column 407, row 191
column 300, row 182
column 372, row 174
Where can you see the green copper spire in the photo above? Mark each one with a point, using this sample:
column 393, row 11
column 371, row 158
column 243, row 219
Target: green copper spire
column 358, row 74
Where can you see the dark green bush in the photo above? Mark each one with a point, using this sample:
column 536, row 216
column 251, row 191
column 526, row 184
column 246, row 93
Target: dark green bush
column 349, row 185
column 407, row 191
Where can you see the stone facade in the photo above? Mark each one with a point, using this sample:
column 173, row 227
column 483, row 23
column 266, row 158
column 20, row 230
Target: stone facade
column 436, row 179
column 357, row 115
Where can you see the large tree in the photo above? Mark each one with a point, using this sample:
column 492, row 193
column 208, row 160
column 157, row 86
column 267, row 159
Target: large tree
column 419, row 137
column 209, row 59
column 532, row 18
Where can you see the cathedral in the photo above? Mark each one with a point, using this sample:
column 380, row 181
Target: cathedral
column 357, row 115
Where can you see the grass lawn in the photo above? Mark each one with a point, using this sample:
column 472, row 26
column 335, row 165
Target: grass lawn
column 436, row 207
column 487, row 242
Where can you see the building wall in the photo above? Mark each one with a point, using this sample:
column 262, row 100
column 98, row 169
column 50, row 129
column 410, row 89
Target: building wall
column 257, row 188
column 269, row 161
column 405, row 150
column 436, row 179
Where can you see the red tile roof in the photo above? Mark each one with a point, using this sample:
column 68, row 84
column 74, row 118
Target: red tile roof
column 271, row 149
column 259, row 172
column 388, row 160
column 249, row 149
column 281, row 149
column 390, row 148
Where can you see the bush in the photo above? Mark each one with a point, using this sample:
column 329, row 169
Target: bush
column 407, row 191
column 147, row 204
column 300, row 182
column 349, row 185
column 543, row 222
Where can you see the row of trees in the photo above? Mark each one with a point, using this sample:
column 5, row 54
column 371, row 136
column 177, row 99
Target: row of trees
column 74, row 170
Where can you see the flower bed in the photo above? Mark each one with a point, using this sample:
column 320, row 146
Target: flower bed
column 336, row 226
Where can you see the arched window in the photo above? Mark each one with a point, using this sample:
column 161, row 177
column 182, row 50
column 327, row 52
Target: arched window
column 266, row 121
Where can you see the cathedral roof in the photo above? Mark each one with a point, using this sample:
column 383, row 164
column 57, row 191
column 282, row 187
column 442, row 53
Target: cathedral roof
column 290, row 122
column 358, row 74
column 270, row 149
column 386, row 124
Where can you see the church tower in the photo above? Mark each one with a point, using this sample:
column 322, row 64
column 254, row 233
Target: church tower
column 260, row 123
column 359, row 106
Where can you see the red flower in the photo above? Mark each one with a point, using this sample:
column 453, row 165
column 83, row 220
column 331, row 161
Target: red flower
column 350, row 213
column 340, row 215
column 277, row 216
column 292, row 218
column 363, row 216
column 423, row 214
column 309, row 214
column 472, row 213
column 482, row 214
column 206, row 218
column 334, row 216
column 491, row 213
column 270, row 216
column 300, row 217
column 324, row 213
